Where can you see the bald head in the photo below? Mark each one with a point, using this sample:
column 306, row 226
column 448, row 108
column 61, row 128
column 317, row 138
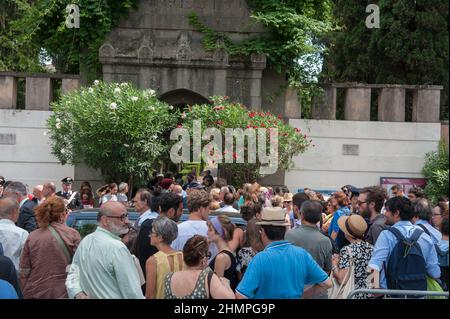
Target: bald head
column 49, row 189
column 176, row 189
column 112, row 216
column 111, row 208
column 38, row 191
column 9, row 209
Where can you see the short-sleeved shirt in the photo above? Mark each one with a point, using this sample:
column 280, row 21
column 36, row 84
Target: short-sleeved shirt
column 280, row 271
column 334, row 227
column 313, row 241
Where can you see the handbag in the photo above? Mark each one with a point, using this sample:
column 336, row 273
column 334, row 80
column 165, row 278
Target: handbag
column 341, row 291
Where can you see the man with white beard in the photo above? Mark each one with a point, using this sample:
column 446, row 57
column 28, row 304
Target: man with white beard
column 102, row 266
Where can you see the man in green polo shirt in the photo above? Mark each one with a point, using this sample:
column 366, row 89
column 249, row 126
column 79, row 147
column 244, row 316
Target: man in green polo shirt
column 309, row 237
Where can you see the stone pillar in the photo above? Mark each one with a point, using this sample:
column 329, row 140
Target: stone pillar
column 426, row 105
column 8, row 92
column 68, row 85
column 324, row 106
column 38, row 93
column 391, row 105
column 292, row 107
column 444, row 132
column 357, row 104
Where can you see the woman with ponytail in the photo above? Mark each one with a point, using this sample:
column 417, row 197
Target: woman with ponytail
column 47, row 252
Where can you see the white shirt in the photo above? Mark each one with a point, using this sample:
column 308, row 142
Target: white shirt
column 147, row 215
column 227, row 209
column 13, row 239
column 189, row 228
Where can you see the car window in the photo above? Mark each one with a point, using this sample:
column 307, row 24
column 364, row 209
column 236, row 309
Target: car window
column 85, row 226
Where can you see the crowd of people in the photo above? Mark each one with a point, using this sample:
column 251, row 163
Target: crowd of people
column 300, row 245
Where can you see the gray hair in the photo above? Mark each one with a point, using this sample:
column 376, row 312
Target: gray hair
column 122, row 187
column 16, row 187
column 422, row 209
column 166, row 228
column 8, row 206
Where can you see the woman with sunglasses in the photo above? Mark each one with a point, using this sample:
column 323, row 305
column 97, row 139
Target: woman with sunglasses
column 197, row 280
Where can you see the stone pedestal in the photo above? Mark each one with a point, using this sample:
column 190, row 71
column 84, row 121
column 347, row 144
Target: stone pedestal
column 38, row 93
column 292, row 107
column 391, row 105
column 8, row 92
column 357, row 104
column 426, row 105
column 324, row 106
column 68, row 85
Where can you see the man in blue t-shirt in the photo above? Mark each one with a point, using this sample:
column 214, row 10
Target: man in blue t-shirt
column 7, row 291
column 281, row 270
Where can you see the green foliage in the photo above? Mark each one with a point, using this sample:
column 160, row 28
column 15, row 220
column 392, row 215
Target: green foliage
column 44, row 26
column 436, row 170
column 15, row 55
column 112, row 127
column 410, row 47
column 295, row 30
column 225, row 114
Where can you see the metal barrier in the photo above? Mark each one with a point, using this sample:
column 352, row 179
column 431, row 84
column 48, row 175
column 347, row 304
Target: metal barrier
column 404, row 293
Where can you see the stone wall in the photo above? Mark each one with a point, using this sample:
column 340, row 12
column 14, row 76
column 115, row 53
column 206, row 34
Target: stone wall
column 157, row 48
column 391, row 102
column 360, row 152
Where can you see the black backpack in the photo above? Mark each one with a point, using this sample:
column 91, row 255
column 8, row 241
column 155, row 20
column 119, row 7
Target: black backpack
column 406, row 267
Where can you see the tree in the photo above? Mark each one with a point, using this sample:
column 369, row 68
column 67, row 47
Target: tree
column 410, row 47
column 71, row 49
column 436, row 170
column 14, row 54
column 113, row 127
column 224, row 114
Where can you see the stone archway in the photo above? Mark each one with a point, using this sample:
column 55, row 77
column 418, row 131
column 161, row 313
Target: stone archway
column 183, row 97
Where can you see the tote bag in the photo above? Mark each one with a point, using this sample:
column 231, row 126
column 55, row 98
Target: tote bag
column 341, row 291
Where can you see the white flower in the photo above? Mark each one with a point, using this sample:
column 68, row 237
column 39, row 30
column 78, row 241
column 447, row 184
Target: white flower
column 63, row 151
column 151, row 108
column 126, row 145
column 183, row 115
column 58, row 120
column 117, row 90
column 91, row 90
column 149, row 92
column 58, row 125
column 123, row 84
column 170, row 107
column 113, row 106
column 96, row 82
column 134, row 98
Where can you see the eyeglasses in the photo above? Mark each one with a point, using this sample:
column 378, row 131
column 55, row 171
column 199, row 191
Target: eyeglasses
column 122, row 217
column 360, row 203
column 437, row 214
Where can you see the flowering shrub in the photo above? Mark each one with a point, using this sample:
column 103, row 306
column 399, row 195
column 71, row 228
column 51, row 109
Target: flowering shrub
column 116, row 128
column 225, row 114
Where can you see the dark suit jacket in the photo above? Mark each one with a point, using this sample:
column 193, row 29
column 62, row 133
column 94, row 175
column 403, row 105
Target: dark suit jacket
column 8, row 273
column 143, row 250
column 26, row 218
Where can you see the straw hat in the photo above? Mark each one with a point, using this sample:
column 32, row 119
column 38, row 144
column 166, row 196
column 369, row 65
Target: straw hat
column 288, row 197
column 353, row 225
column 274, row 216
